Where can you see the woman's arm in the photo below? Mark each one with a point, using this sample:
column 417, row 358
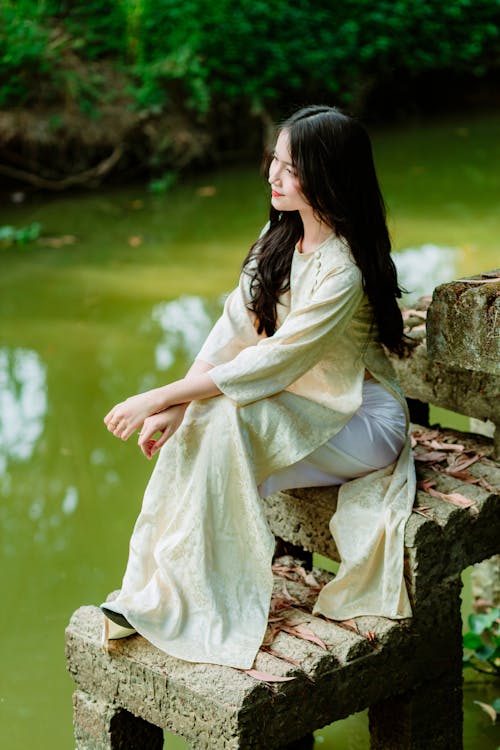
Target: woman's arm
column 129, row 415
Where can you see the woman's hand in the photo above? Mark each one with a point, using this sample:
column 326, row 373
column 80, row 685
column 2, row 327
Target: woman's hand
column 129, row 415
column 166, row 422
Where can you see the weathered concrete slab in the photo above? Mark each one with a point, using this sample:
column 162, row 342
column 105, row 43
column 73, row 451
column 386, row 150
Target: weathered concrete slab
column 350, row 667
column 463, row 324
column 446, row 380
column 441, row 539
column 218, row 707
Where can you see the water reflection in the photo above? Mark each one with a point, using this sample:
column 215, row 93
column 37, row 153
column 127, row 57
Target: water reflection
column 23, row 403
column 421, row 269
column 185, row 323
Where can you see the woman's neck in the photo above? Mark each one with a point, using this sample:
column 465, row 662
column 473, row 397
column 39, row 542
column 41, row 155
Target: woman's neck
column 315, row 232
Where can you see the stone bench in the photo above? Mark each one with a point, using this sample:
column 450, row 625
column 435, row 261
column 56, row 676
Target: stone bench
column 408, row 673
column 402, row 670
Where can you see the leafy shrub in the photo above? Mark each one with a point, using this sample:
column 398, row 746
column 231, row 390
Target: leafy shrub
column 482, row 643
column 12, row 236
column 98, row 27
column 24, row 51
column 265, row 51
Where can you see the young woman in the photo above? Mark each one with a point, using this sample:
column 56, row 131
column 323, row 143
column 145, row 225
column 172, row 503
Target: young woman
column 291, row 388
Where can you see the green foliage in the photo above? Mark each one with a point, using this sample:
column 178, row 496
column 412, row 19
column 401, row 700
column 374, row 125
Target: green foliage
column 98, row 27
column 265, row 51
column 12, row 236
column 163, row 184
column 482, row 643
column 226, row 57
column 25, row 54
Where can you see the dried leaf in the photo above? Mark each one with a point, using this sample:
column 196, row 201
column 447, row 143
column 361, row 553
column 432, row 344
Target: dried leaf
column 281, row 656
column 487, row 486
column 441, row 445
column 430, row 456
column 291, row 599
column 462, row 474
column 265, row 676
column 285, row 571
column 271, row 633
column 464, row 460
column 425, row 484
column 454, row 497
column 301, row 631
column 311, row 581
column 488, row 709
column 425, row 435
column 423, row 512
column 350, row 625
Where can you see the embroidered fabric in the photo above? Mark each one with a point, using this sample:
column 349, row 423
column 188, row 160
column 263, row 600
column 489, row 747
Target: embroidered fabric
column 198, row 580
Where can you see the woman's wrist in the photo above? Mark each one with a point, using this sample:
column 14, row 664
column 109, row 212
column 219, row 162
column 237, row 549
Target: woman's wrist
column 185, row 390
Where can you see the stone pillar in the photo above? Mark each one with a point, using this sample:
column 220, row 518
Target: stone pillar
column 463, row 334
column 430, row 716
column 101, row 726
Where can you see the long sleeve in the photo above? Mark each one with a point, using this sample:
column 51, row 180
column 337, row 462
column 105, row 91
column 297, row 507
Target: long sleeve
column 234, row 330
column 270, row 365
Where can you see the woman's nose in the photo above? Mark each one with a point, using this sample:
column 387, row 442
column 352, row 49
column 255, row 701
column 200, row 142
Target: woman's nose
column 273, row 174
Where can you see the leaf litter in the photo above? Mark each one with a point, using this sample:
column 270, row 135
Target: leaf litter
column 436, row 450
column 282, row 604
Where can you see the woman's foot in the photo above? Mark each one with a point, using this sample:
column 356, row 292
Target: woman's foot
column 113, row 629
column 116, row 617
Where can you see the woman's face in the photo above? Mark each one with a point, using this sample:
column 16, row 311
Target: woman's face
column 286, row 194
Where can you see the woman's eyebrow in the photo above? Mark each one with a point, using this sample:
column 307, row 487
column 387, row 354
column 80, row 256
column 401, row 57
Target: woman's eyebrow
column 288, row 163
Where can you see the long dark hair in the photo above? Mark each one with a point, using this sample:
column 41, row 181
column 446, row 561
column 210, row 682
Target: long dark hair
column 332, row 155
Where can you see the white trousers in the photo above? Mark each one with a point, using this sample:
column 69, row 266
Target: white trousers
column 373, row 438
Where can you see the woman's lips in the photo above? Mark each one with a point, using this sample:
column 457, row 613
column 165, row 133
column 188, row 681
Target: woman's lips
column 276, row 195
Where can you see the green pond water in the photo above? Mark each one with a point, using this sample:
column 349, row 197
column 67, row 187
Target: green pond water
column 125, row 308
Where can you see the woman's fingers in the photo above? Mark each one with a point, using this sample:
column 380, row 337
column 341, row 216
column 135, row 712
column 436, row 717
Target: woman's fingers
column 161, row 441
column 146, row 448
column 120, row 423
column 149, row 428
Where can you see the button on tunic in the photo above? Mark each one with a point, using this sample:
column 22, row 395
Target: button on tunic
column 198, row 582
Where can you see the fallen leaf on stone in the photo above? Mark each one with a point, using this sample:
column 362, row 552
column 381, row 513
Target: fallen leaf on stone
column 425, row 435
column 279, row 604
column 265, row 676
column 311, row 581
column 430, row 456
column 349, row 625
column 285, row 571
column 453, row 497
column 301, row 631
column 281, row 656
column 488, row 709
column 487, row 486
column 425, row 484
column 464, row 460
column 288, row 596
column 423, row 511
column 462, row 474
column 442, row 446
